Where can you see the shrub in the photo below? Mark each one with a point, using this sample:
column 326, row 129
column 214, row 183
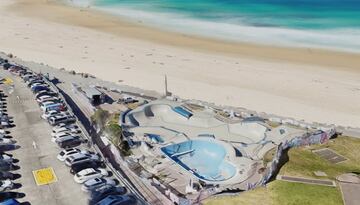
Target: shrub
column 99, row 118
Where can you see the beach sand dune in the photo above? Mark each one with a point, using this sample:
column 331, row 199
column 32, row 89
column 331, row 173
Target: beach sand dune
column 310, row 84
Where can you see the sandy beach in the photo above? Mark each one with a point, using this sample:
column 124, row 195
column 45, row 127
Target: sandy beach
column 310, row 84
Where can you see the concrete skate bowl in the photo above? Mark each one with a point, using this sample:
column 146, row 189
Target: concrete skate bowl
column 251, row 130
column 159, row 114
column 205, row 159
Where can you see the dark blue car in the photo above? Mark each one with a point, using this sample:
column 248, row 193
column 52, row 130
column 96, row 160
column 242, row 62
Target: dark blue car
column 39, row 88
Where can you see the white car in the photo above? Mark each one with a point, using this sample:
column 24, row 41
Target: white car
column 43, row 93
column 50, row 113
column 2, row 135
column 61, row 125
column 6, row 185
column 89, row 173
column 44, row 104
column 65, row 129
column 59, row 135
column 50, row 100
column 81, row 157
column 46, row 98
column 95, row 183
column 6, row 158
column 70, row 152
column 38, row 84
column 5, row 141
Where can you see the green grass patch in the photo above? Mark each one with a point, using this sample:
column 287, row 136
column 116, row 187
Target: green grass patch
column 283, row 193
column 303, row 162
column 289, row 193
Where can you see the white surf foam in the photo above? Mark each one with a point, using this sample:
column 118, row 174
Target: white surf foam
column 344, row 40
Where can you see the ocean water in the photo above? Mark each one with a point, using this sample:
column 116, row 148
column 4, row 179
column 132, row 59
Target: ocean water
column 331, row 24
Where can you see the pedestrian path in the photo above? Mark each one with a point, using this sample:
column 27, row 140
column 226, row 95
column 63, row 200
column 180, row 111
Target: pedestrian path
column 306, row 180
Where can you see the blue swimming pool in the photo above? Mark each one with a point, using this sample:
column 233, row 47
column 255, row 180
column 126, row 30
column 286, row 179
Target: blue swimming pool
column 204, row 158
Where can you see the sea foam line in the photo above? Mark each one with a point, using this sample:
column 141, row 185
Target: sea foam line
column 335, row 39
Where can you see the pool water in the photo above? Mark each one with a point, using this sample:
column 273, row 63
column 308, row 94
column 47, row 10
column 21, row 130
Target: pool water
column 204, row 158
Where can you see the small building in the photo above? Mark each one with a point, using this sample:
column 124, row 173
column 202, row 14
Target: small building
column 94, row 95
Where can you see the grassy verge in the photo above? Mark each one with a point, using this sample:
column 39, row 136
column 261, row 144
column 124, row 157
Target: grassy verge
column 283, row 193
column 303, row 162
column 288, row 193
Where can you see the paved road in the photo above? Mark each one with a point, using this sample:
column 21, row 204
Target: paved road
column 31, row 129
column 351, row 193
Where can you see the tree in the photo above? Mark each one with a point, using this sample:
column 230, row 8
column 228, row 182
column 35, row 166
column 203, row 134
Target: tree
column 99, row 118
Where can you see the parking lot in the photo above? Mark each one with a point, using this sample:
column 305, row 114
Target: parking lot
column 37, row 151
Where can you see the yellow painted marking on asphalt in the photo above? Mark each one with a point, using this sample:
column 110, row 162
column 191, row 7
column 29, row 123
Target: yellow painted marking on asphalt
column 8, row 81
column 44, row 176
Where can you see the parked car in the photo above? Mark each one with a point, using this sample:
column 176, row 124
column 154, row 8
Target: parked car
column 68, row 142
column 10, row 202
column 27, row 74
column 8, row 147
column 6, row 66
column 46, row 92
column 93, row 184
column 7, row 175
column 67, row 125
column 26, row 78
column 89, row 173
column 101, row 193
column 51, row 105
column 61, row 135
column 6, row 158
column 34, row 80
column 46, row 98
column 59, row 106
column 81, row 157
column 5, row 141
column 65, row 153
column 75, row 168
column 5, row 196
column 118, row 200
column 50, row 113
column 6, row 166
column 6, row 185
column 65, row 129
column 55, row 120
column 52, row 99
column 39, row 88
column 2, row 131
column 33, row 85
column 44, row 104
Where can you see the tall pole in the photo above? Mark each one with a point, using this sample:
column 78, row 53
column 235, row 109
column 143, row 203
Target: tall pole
column 166, row 89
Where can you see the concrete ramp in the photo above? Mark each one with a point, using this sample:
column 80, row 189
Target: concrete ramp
column 253, row 131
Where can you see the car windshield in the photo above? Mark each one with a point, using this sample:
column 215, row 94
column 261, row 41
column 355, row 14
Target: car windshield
column 91, row 173
column 72, row 152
